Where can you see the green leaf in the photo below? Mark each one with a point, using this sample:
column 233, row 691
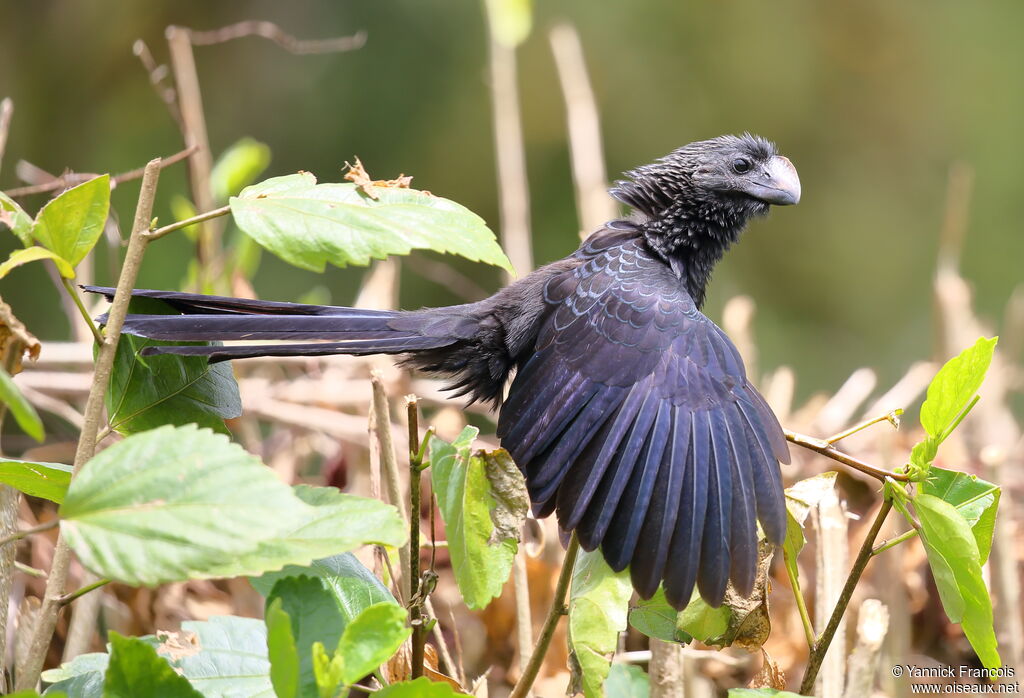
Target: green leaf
column 82, row 677
column 328, row 670
column 954, row 386
column 136, row 670
column 331, row 523
column 232, row 660
column 46, row 480
column 32, row 254
column 481, row 553
column 309, row 224
column 238, row 167
column 353, row 587
column 598, row 607
column 22, row 410
column 702, row 621
column 284, row 656
column 314, row 617
column 371, row 639
column 761, row 693
column 150, row 391
column 70, row 224
column 627, row 681
column 655, row 618
column 955, row 562
column 177, row 503
column 420, row 688
column 14, row 217
column 975, row 499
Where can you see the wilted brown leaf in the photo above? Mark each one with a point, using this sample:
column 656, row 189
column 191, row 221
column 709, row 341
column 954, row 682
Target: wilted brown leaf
column 509, row 489
column 15, row 340
column 358, row 175
column 770, row 674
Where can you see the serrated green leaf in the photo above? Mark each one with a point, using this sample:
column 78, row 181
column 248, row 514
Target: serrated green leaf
column 282, row 650
column 177, row 503
column 46, row 480
column 955, row 562
column 314, row 618
column 21, row 409
column 975, row 499
column 238, row 167
column 33, row 254
column 150, row 391
column 232, row 661
column 371, row 639
column 137, row 670
column 309, row 224
column 954, row 386
column 353, row 587
column 420, row 688
column 15, row 219
column 70, row 224
column 466, row 500
column 627, row 681
column 655, row 618
column 598, row 609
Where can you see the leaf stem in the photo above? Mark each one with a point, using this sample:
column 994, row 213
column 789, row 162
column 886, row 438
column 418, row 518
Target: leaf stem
column 71, row 596
column 419, row 629
column 557, row 610
column 801, row 604
column 46, row 620
column 18, row 535
column 893, row 542
column 891, row 417
column 959, row 418
column 821, row 646
column 151, row 235
column 70, row 288
column 826, row 449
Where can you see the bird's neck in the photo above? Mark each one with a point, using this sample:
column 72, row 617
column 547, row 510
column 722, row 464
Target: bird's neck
column 691, row 239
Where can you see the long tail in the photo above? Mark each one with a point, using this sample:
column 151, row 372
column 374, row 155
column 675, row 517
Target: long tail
column 353, row 331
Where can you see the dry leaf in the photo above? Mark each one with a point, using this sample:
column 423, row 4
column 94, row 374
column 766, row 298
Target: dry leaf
column 358, row 175
column 770, row 675
column 14, row 337
column 179, row 644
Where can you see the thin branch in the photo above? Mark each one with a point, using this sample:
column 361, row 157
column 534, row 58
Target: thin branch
column 272, row 32
column 72, row 179
column 821, row 646
column 893, row 542
column 71, row 596
column 157, row 75
column 160, row 232
column 73, row 292
column 557, row 610
column 389, row 464
column 6, row 112
column 30, row 571
column 892, row 417
column 524, row 621
column 55, row 584
column 826, row 449
column 18, row 535
column 419, row 634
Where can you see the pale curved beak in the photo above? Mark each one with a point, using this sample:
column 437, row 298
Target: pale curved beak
column 777, row 184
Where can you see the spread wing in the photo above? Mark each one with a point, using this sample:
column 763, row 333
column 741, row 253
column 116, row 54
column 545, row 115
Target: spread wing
column 634, row 420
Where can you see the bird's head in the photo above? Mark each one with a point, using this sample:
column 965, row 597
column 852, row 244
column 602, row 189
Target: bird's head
column 695, row 201
column 744, row 174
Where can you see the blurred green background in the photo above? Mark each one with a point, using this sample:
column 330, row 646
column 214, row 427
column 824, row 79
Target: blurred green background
column 873, row 101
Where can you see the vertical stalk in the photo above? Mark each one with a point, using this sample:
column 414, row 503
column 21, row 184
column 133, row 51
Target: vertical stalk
column 55, row 584
column 555, row 613
column 419, row 633
column 389, row 466
column 822, row 645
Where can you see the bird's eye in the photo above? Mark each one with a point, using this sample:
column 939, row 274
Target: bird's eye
column 741, row 165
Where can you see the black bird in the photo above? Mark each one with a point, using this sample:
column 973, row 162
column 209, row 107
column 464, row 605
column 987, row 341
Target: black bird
column 630, row 413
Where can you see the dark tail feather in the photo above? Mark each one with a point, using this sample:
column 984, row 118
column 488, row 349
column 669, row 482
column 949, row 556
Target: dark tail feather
column 218, row 318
